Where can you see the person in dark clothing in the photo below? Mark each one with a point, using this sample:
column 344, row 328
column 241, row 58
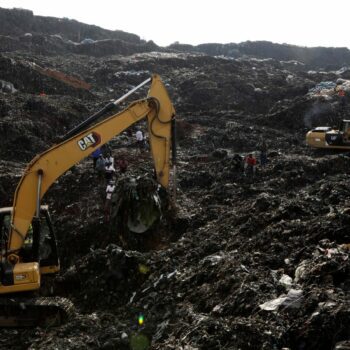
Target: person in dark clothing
column 123, row 165
column 263, row 153
column 95, row 155
column 106, row 150
column 100, row 165
column 237, row 162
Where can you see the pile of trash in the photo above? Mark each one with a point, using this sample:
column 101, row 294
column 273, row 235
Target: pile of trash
column 323, row 88
column 330, row 88
column 249, row 262
column 109, row 276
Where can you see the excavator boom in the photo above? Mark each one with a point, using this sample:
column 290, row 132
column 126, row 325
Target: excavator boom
column 47, row 167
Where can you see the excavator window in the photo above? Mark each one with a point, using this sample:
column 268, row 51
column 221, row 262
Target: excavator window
column 45, row 245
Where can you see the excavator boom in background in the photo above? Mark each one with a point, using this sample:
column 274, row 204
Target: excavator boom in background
column 21, row 269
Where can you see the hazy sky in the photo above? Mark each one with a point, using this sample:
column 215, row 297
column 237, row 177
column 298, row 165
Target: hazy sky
column 300, row 22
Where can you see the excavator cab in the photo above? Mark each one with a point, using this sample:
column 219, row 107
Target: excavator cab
column 340, row 137
column 44, row 241
column 345, row 128
column 25, row 276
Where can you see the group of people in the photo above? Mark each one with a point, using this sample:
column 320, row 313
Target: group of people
column 250, row 162
column 103, row 163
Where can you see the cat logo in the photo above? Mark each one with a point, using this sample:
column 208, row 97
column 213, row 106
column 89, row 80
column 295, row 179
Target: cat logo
column 90, row 140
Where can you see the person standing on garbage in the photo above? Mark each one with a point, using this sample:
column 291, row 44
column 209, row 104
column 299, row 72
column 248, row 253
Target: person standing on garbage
column 140, row 140
column 106, row 149
column 250, row 164
column 342, row 102
column 95, row 155
column 109, row 191
column 263, row 153
column 109, row 171
column 123, row 165
column 109, row 159
column 100, row 166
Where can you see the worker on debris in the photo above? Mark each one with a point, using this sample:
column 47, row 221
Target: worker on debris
column 95, row 156
column 342, row 102
column 237, row 162
column 109, row 172
column 100, row 165
column 106, row 150
column 123, row 165
column 250, row 164
column 140, row 140
column 109, row 191
column 263, row 153
column 109, row 160
column 341, row 93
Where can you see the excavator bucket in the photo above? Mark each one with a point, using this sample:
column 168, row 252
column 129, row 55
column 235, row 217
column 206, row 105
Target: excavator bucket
column 136, row 206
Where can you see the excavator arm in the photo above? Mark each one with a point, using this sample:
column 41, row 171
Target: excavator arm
column 47, row 167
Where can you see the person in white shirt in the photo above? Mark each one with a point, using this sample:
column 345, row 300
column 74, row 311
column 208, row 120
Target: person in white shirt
column 140, row 140
column 109, row 160
column 109, row 191
column 109, row 172
column 139, row 135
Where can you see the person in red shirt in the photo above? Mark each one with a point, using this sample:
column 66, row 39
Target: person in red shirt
column 249, row 164
column 341, row 93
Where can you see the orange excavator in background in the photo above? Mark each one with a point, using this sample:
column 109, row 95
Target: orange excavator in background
column 28, row 244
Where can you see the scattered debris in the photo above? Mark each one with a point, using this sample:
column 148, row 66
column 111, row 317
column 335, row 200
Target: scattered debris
column 234, row 263
column 7, row 87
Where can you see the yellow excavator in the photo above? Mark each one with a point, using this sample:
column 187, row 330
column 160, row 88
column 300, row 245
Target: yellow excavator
column 28, row 244
column 330, row 138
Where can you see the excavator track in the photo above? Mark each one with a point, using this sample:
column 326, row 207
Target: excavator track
column 37, row 311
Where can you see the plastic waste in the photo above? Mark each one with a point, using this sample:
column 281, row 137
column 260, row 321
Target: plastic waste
column 7, row 87
column 300, row 271
column 286, row 281
column 292, row 299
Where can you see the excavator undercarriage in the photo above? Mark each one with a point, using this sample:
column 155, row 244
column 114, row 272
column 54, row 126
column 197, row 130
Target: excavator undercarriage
column 34, row 311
